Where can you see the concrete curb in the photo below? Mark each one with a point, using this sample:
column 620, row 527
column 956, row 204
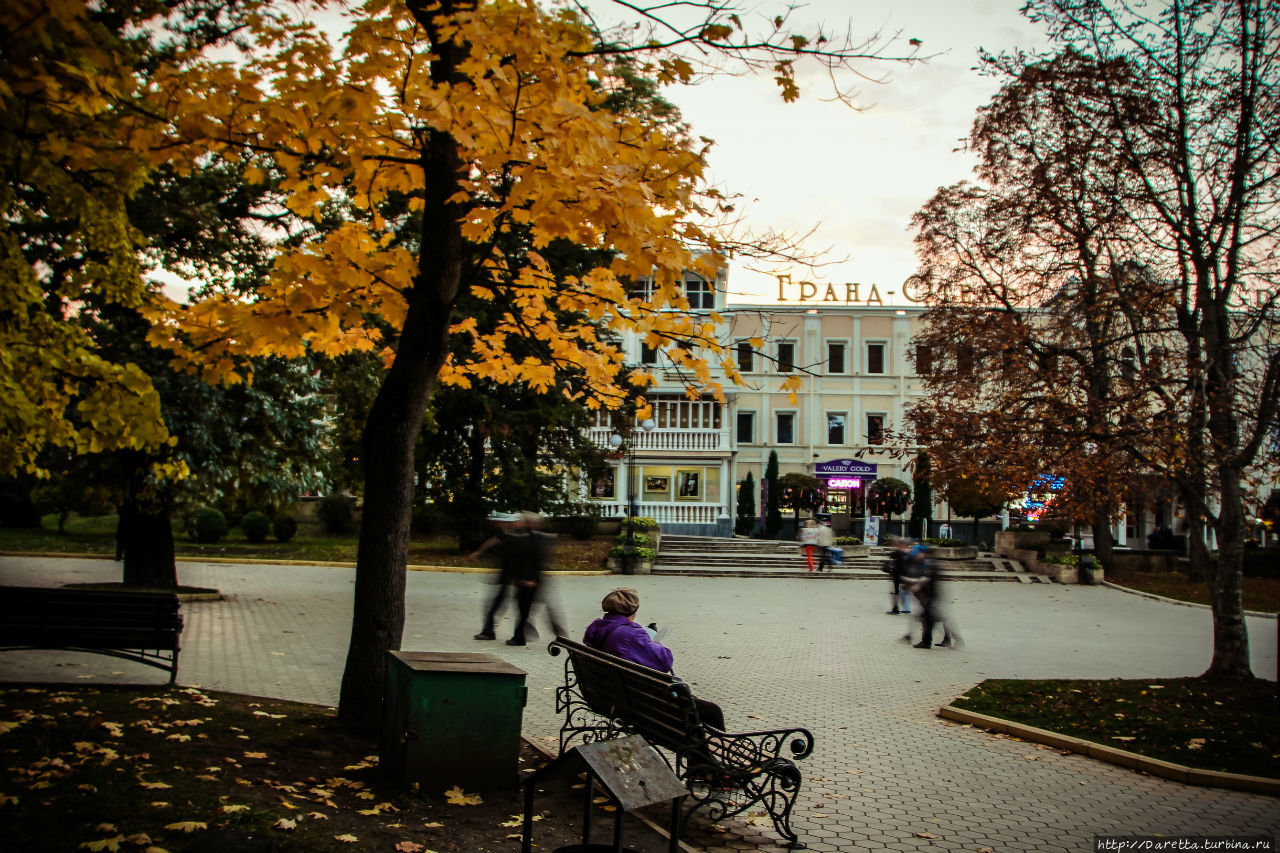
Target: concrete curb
column 1155, row 597
column 332, row 565
column 1132, row 760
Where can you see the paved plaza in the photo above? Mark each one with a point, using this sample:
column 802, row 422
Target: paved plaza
column 886, row 773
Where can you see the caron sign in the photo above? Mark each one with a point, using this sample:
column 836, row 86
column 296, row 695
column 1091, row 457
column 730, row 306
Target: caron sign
column 844, row 483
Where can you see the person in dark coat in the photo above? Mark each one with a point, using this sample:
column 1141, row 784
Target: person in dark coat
column 900, row 598
column 928, row 592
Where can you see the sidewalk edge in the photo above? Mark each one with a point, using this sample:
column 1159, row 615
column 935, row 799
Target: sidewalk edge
column 1110, row 585
column 1132, row 760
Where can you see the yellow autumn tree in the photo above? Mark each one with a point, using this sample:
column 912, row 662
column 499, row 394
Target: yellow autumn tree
column 462, row 138
column 76, row 140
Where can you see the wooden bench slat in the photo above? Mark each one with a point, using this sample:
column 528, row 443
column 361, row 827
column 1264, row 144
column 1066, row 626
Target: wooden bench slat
column 132, row 625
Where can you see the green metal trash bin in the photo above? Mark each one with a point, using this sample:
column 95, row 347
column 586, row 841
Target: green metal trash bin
column 452, row 719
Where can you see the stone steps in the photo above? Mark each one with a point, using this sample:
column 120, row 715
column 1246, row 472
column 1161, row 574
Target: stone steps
column 710, row 556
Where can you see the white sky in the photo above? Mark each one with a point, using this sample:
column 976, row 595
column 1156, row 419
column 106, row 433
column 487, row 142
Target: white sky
column 857, row 176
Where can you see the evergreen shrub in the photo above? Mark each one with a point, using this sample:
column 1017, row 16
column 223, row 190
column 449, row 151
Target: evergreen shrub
column 256, row 526
column 336, row 513
column 284, row 527
column 208, row 525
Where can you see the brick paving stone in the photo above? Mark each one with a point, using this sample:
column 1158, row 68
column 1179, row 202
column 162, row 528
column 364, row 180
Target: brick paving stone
column 772, row 652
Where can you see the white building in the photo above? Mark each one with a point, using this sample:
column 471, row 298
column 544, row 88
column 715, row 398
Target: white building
column 853, row 352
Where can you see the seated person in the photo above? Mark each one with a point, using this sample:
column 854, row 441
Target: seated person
column 618, row 634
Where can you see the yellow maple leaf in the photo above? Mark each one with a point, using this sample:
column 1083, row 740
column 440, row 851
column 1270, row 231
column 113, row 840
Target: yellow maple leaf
column 153, row 786
column 104, row 844
column 255, row 755
column 187, row 825
column 456, row 797
column 346, row 839
column 232, row 809
column 285, row 823
column 139, row 839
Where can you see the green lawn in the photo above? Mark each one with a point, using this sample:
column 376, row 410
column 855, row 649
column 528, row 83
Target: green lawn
column 96, row 535
column 1189, row 721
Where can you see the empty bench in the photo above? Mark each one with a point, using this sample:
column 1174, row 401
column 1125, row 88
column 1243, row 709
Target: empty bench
column 138, row 626
column 604, row 696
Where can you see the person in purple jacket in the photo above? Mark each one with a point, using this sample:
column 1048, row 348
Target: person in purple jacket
column 617, row 633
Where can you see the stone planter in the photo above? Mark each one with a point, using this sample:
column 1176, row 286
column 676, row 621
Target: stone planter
column 1009, row 541
column 960, row 552
column 618, row 566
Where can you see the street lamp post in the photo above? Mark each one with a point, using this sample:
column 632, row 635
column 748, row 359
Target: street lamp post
column 616, row 441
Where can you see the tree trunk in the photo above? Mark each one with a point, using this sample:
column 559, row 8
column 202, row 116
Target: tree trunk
column 1230, row 636
column 391, row 433
column 144, row 540
column 1104, row 542
column 144, row 535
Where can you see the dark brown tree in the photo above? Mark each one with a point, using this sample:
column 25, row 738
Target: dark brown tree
column 1114, row 272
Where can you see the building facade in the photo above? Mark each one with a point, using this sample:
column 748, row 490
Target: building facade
column 857, row 375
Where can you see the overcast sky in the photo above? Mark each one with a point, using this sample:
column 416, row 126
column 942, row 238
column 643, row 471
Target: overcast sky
column 857, row 176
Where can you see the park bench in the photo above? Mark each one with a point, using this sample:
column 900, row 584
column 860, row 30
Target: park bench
column 604, row 696
column 138, row 626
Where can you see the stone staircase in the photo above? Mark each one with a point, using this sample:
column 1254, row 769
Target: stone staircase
column 741, row 557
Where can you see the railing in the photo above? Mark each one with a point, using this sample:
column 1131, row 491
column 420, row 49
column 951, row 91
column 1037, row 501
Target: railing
column 664, row 439
column 665, row 513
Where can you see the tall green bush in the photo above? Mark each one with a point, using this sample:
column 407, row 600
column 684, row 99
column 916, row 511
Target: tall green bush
column 208, row 525
column 773, row 498
column 256, row 526
column 746, row 506
column 285, row 527
column 336, row 513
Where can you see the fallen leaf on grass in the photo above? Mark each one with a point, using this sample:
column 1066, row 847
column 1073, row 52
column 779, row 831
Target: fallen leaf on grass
column 104, row 844
column 269, row 716
column 285, row 823
column 105, row 827
column 207, row 777
column 187, row 825
column 232, row 809
column 179, row 738
column 346, row 839
column 456, row 797
column 435, row 824
column 8, row 800
column 412, row 847
column 255, row 755
column 139, row 839
column 317, row 815
column 1196, row 743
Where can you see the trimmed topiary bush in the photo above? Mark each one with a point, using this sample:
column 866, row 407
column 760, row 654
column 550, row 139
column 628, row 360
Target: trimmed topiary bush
column 284, row 527
column 336, row 512
column 256, row 526
column 208, row 525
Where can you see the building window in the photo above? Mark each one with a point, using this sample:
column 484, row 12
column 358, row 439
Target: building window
column 875, row 429
column 648, row 355
column 700, row 293
column 642, row 290
column 835, row 427
column 875, row 358
column 835, row 357
column 924, row 360
column 746, row 427
column 786, row 357
column 786, row 431
column 746, row 357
